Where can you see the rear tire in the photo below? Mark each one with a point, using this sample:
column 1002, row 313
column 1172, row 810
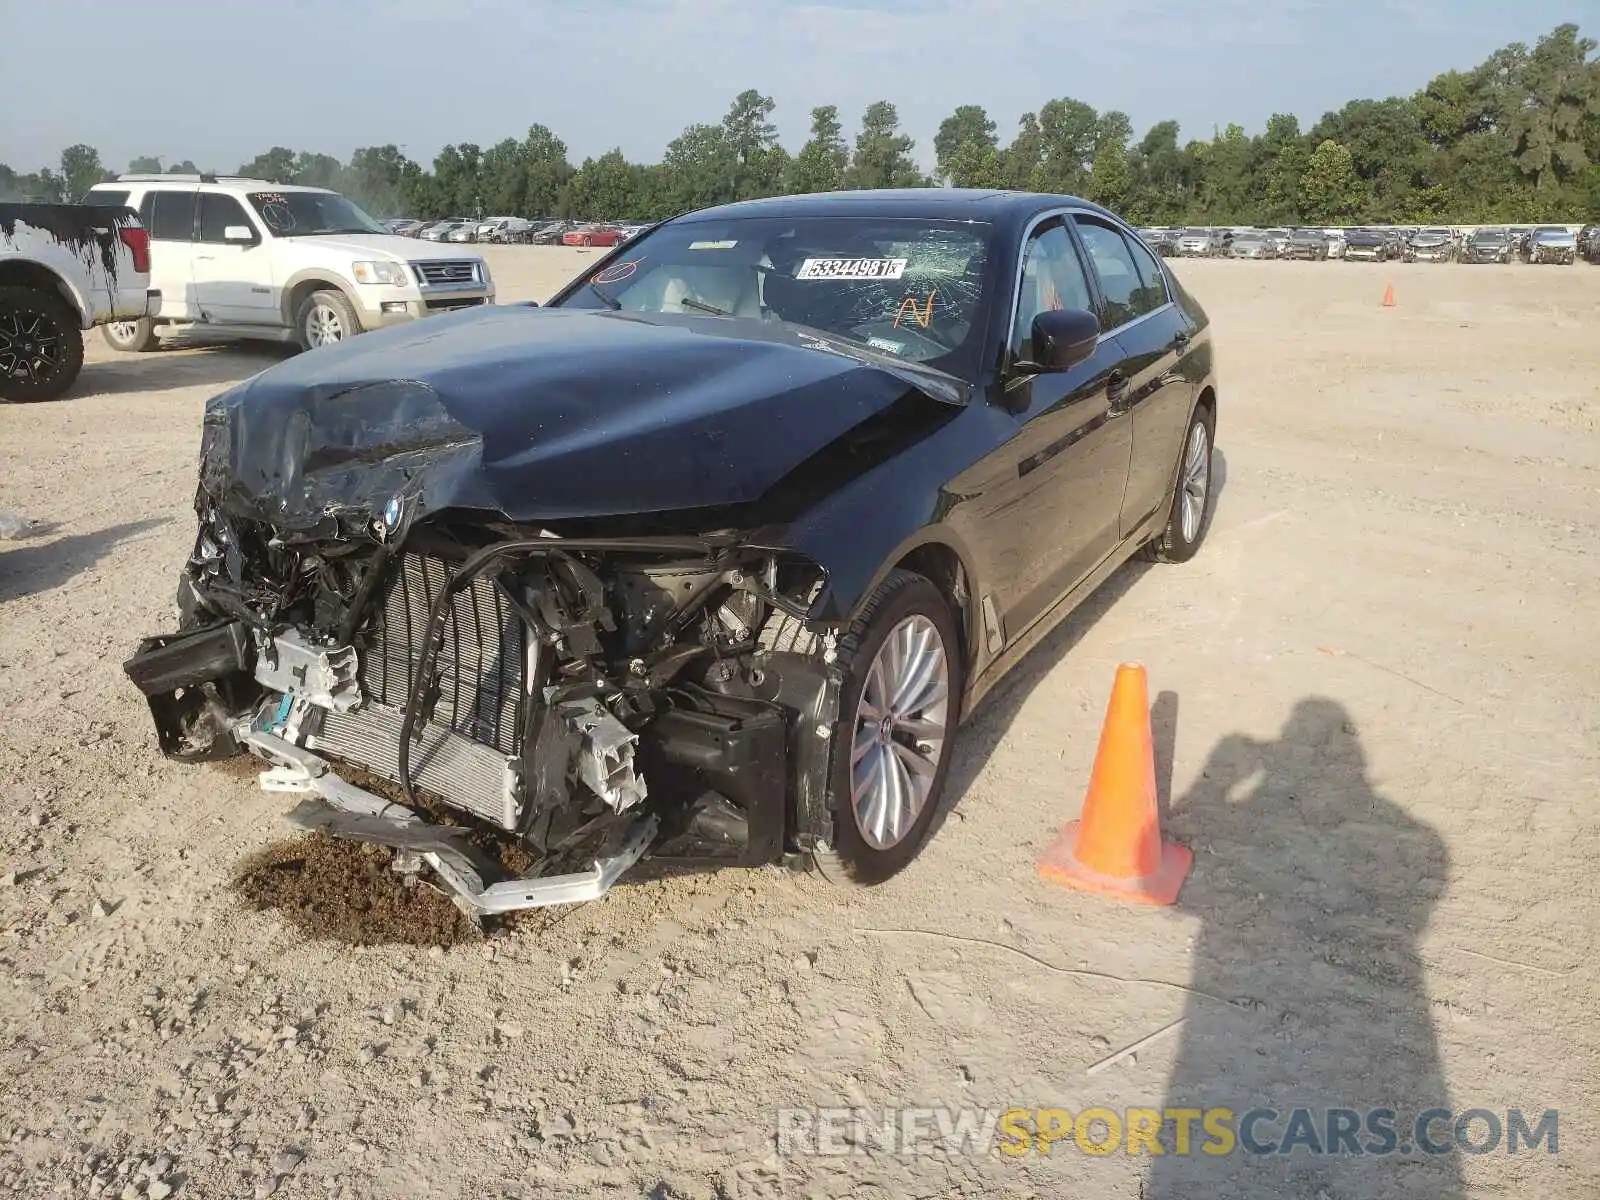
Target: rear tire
column 899, row 710
column 41, row 346
column 1192, row 498
column 131, row 337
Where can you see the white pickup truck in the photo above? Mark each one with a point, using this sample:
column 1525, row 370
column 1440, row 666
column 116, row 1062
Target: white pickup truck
column 252, row 259
column 65, row 268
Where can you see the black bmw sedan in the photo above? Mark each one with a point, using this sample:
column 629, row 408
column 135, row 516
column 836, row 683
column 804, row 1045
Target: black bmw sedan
column 706, row 559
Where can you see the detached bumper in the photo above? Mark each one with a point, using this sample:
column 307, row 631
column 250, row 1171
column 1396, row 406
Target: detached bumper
column 347, row 811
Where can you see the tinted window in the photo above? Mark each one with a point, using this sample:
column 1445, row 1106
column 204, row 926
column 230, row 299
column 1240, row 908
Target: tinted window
column 1052, row 277
column 1126, row 296
column 169, row 215
column 1152, row 293
column 107, row 199
column 911, row 287
column 217, row 212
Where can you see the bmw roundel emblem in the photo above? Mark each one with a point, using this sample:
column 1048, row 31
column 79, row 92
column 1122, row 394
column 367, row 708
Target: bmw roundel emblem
column 391, row 513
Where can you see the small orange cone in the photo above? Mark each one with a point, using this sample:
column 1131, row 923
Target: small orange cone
column 1116, row 847
column 1388, row 296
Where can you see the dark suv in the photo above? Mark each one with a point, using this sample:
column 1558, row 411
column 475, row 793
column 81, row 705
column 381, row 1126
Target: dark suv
column 1489, row 245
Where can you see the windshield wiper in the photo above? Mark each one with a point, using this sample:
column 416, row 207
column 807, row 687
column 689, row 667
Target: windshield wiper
column 606, row 298
column 705, row 308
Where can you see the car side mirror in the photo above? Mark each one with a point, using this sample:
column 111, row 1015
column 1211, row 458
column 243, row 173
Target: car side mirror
column 236, row 235
column 1062, row 338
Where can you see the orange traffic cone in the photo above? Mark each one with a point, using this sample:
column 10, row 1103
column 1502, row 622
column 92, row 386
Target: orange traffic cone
column 1388, row 296
column 1116, row 847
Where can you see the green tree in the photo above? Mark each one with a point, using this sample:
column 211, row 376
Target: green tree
column 504, row 175
column 275, row 166
column 1560, row 89
column 820, row 165
column 966, row 145
column 883, row 154
column 699, row 169
column 379, row 178
column 1021, row 160
column 1330, row 190
column 759, row 162
column 610, row 188
column 145, row 164
column 1069, row 133
column 81, row 169
column 317, row 170
column 544, row 157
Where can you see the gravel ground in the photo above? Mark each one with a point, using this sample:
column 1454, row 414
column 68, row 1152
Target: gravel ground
column 1380, row 718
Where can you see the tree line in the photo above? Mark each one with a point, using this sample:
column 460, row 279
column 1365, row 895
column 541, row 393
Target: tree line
column 1515, row 138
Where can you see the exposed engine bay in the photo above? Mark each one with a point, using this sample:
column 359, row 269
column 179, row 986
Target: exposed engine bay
column 595, row 699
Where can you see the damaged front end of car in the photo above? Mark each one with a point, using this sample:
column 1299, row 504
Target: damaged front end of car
column 358, row 596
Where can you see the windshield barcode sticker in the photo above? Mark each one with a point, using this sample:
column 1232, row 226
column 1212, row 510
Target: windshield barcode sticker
column 852, row 268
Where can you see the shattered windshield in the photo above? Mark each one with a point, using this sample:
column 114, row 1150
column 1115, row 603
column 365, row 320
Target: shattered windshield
column 911, row 287
column 302, row 214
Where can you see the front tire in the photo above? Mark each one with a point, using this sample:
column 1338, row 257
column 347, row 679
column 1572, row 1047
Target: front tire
column 1190, row 515
column 324, row 319
column 899, row 709
column 131, row 337
column 41, row 346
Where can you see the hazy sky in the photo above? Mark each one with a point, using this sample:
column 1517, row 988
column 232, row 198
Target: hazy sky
column 222, row 80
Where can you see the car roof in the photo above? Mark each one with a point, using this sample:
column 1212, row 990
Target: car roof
column 942, row 204
column 227, row 183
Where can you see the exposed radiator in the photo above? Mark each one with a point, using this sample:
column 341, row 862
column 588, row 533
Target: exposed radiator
column 467, row 774
column 465, row 753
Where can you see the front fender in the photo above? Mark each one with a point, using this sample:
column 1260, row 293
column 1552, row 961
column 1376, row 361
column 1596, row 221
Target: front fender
column 863, row 530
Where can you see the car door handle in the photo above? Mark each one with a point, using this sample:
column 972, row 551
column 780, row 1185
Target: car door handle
column 204, row 257
column 1181, row 339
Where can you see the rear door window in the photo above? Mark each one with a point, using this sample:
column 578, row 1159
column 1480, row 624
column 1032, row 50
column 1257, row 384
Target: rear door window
column 169, row 215
column 107, row 199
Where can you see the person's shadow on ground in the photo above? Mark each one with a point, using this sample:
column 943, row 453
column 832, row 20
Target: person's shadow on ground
column 1312, row 891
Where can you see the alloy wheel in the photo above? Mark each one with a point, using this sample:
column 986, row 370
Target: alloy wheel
column 30, row 346
column 324, row 326
column 1196, row 480
column 899, row 732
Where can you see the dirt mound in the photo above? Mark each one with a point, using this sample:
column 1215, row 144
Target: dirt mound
column 346, row 891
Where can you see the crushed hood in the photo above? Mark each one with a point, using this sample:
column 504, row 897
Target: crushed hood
column 543, row 415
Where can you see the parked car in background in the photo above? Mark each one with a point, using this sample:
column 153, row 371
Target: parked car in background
column 1162, row 241
column 1309, row 244
column 1552, row 244
column 1587, row 243
column 294, row 264
column 440, row 230
column 707, row 558
column 466, row 231
column 1197, row 242
column 551, row 234
column 1369, row 245
column 1278, row 239
column 1431, row 245
column 592, row 235
column 1252, row 243
column 1336, row 242
column 1490, row 244
column 65, row 268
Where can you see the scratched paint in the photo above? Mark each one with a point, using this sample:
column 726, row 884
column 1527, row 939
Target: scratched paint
column 74, row 227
